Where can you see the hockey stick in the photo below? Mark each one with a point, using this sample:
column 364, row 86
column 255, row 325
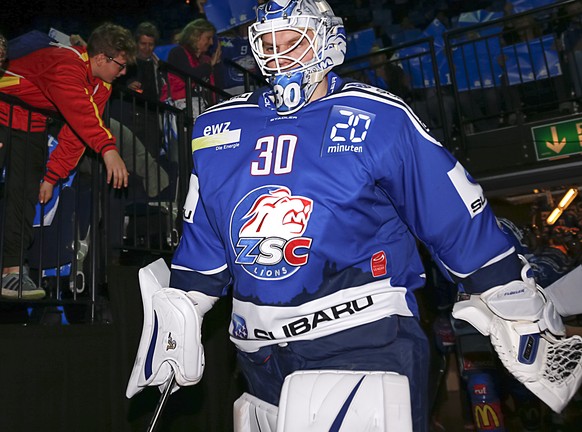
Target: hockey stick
column 162, row 403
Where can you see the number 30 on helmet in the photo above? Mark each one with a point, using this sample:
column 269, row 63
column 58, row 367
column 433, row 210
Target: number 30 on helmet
column 296, row 43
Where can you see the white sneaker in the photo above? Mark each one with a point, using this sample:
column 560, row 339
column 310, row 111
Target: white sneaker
column 11, row 283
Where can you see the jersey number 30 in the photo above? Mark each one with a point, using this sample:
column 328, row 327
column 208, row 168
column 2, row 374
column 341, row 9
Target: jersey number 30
column 276, row 155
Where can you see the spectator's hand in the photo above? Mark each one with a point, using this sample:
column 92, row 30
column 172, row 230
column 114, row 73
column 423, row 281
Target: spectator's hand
column 216, row 56
column 200, row 4
column 46, row 192
column 117, row 174
column 135, row 86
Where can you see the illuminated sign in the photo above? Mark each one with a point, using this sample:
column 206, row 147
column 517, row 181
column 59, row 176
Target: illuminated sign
column 487, row 416
column 558, row 139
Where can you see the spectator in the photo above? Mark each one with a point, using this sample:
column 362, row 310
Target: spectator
column 74, row 81
column 192, row 57
column 572, row 33
column 236, row 50
column 144, row 76
column 521, row 29
column 526, row 92
column 376, row 75
column 388, row 75
column 200, row 7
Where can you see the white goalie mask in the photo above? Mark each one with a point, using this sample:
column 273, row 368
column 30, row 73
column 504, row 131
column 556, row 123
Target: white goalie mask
column 296, row 63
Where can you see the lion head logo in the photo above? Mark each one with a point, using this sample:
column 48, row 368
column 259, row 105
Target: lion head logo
column 279, row 214
column 267, row 232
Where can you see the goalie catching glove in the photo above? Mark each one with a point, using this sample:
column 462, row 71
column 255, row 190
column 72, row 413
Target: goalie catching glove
column 527, row 334
column 171, row 335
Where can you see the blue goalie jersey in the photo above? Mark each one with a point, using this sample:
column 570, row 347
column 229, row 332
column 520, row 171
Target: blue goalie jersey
column 313, row 218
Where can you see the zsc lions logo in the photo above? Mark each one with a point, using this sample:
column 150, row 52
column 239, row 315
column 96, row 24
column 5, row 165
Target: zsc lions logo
column 266, row 232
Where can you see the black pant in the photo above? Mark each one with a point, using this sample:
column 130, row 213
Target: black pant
column 23, row 155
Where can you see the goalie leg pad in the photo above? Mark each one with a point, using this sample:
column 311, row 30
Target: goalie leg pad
column 251, row 414
column 314, row 401
column 171, row 335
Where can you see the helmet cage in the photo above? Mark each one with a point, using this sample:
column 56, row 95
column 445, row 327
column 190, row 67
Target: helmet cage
column 320, row 45
column 311, row 31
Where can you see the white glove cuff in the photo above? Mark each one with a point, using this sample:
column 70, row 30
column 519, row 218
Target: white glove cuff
column 552, row 321
column 517, row 300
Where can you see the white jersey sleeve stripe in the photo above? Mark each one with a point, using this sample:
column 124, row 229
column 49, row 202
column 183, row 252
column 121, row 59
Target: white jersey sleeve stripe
column 496, row 259
column 203, row 272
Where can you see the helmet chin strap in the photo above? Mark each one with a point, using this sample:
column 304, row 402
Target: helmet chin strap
column 291, row 91
column 316, row 77
column 314, row 80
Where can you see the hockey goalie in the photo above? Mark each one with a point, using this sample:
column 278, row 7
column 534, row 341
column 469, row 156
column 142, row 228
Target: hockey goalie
column 306, row 202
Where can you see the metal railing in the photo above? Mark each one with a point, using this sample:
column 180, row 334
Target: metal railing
column 88, row 226
column 57, row 253
column 483, row 88
column 152, row 208
column 410, row 71
column 445, row 82
column 513, row 69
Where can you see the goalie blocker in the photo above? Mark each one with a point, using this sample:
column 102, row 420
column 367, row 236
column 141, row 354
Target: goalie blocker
column 171, row 335
column 527, row 334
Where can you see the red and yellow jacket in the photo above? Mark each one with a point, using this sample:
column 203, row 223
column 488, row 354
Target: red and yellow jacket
column 59, row 79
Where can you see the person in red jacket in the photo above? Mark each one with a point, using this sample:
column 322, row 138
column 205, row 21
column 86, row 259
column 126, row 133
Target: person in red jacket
column 76, row 82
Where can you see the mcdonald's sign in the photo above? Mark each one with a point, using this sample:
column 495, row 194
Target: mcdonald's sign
column 488, row 417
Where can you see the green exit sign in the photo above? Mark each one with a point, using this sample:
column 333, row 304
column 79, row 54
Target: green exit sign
column 558, row 139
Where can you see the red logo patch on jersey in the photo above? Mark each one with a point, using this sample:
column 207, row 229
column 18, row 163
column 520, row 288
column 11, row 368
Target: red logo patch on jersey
column 378, row 264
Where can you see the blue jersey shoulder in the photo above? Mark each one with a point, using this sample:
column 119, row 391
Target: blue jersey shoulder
column 242, row 99
column 369, row 94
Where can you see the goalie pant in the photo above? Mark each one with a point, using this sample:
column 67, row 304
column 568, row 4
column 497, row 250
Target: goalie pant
column 395, row 344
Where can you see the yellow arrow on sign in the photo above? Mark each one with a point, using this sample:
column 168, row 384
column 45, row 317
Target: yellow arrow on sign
column 557, row 145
